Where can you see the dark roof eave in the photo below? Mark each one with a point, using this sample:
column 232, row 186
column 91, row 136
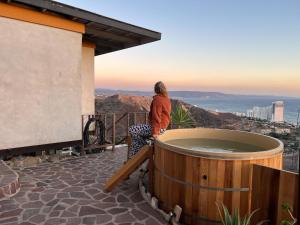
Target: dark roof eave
column 89, row 16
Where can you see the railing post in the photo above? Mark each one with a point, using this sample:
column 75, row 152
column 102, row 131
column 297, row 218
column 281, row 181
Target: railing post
column 128, row 123
column 105, row 128
column 134, row 118
column 113, row 131
column 146, row 117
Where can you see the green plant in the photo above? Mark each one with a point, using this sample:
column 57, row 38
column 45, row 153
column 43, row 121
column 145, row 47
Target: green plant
column 235, row 218
column 181, row 118
column 286, row 207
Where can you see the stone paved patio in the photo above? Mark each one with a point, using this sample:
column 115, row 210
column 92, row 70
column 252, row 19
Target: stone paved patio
column 70, row 192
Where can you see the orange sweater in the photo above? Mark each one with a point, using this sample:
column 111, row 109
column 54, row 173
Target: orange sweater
column 159, row 116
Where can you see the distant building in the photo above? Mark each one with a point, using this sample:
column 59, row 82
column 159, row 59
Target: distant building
column 279, row 130
column 263, row 113
column 278, row 112
column 265, row 131
column 249, row 113
column 274, row 112
column 240, row 114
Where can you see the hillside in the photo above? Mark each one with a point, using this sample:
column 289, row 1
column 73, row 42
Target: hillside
column 203, row 118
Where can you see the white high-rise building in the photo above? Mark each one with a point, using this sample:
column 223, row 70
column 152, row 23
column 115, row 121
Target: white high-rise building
column 278, row 111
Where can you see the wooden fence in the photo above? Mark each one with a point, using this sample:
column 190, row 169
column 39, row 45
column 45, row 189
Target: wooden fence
column 270, row 189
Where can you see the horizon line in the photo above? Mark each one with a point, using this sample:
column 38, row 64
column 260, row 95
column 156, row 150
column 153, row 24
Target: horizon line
column 219, row 92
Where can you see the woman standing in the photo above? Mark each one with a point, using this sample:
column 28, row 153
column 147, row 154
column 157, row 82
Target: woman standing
column 159, row 119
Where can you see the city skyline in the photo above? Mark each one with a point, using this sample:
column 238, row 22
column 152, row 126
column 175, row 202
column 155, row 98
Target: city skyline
column 233, row 47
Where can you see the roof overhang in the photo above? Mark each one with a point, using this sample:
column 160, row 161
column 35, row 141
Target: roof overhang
column 107, row 34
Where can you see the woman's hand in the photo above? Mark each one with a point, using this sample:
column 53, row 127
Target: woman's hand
column 155, row 136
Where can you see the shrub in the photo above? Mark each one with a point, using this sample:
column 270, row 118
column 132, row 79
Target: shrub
column 181, row 118
column 235, row 218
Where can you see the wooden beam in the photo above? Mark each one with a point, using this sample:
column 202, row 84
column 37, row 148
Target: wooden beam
column 129, row 167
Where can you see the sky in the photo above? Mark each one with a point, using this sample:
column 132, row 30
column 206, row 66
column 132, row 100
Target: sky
column 232, row 46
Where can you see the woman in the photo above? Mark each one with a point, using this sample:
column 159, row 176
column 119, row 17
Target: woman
column 159, row 119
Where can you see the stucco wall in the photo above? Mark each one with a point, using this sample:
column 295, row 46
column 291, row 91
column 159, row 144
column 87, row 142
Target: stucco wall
column 88, row 81
column 40, row 84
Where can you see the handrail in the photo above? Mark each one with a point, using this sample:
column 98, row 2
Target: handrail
column 117, row 121
column 112, row 128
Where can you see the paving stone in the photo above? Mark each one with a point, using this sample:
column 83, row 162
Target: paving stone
column 47, row 197
column 47, row 209
column 151, row 221
column 69, row 201
column 72, row 189
column 109, row 199
column 92, row 191
column 26, row 223
column 139, row 214
column 11, row 213
column 136, row 197
column 55, row 221
column 59, row 207
column 9, row 220
column 122, row 198
column 68, row 214
column 89, row 220
column 29, row 213
column 79, row 194
column 33, row 205
column 53, row 202
column 62, row 195
column 88, row 210
column 54, row 214
column 37, row 219
column 101, row 219
column 100, row 196
column 74, row 220
column 124, row 218
column 74, row 208
column 8, row 207
column 33, row 196
column 114, row 211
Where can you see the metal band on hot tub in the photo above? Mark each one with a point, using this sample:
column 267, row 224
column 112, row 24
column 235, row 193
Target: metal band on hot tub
column 245, row 189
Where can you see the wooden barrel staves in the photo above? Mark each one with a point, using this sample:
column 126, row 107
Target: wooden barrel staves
column 197, row 183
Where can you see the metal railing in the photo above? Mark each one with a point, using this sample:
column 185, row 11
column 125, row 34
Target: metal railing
column 114, row 125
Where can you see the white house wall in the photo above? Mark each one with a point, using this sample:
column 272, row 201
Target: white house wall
column 40, row 84
column 88, row 81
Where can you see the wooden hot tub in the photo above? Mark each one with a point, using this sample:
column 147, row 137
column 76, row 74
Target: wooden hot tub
column 196, row 179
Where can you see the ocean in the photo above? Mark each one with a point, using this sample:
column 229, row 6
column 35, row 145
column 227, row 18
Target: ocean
column 241, row 104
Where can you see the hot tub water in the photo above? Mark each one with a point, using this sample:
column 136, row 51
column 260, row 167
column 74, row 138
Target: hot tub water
column 213, row 145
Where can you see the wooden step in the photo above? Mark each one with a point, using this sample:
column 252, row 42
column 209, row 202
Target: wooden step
column 129, row 167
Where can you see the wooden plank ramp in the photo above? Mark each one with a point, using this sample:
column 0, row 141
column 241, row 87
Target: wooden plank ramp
column 129, row 167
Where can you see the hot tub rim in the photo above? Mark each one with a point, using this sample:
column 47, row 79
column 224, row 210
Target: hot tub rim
column 224, row 155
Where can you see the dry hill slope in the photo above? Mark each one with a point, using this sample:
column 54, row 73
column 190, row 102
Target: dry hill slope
column 202, row 117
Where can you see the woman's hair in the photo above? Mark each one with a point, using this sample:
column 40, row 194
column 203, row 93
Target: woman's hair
column 160, row 88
